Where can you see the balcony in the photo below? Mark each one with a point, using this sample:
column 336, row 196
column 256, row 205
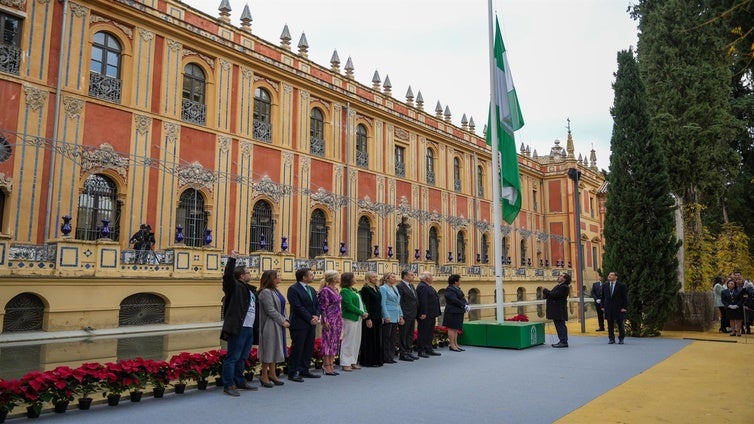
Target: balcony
column 10, row 58
column 104, row 87
column 194, row 112
column 262, row 131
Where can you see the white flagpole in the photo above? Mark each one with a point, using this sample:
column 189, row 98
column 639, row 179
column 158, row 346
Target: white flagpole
column 496, row 205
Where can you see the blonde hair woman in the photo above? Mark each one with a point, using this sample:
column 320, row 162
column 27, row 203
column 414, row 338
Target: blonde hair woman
column 371, row 327
column 332, row 320
column 392, row 316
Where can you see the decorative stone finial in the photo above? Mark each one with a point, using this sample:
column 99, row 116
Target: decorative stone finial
column 225, row 11
column 303, row 46
column 419, row 100
column 472, row 126
column 285, row 38
column 409, row 96
column 447, row 113
column 246, row 19
column 464, row 122
column 349, row 68
column 376, row 80
column 438, row 110
column 335, row 62
column 387, row 86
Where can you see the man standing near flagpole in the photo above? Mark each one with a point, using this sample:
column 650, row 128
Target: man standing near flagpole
column 507, row 113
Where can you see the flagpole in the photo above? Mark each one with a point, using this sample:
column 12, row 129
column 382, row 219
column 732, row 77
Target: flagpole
column 496, row 205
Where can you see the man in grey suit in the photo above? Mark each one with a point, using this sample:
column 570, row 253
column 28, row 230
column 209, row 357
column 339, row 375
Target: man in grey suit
column 615, row 304
column 408, row 306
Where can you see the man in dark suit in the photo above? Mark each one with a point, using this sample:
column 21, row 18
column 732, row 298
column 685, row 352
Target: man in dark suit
column 597, row 296
column 615, row 304
column 303, row 321
column 408, row 306
column 427, row 310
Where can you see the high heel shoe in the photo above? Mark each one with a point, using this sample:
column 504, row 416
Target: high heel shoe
column 277, row 382
column 456, row 350
column 266, row 384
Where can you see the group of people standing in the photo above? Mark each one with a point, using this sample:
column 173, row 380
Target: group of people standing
column 610, row 300
column 362, row 326
column 734, row 298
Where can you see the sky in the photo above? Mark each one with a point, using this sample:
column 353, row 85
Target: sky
column 562, row 55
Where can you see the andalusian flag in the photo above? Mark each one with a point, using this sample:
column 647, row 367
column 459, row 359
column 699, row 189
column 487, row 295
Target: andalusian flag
column 508, row 120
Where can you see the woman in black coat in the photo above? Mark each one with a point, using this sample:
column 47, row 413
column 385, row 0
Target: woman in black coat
column 557, row 308
column 455, row 307
column 733, row 302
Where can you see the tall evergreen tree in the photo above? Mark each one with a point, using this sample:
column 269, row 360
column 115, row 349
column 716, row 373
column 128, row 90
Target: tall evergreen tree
column 640, row 244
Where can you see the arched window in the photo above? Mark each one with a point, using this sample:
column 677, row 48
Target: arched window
column 474, row 299
column 401, row 242
column 434, row 246
column 441, row 295
column 105, row 68
column 262, row 227
column 10, row 43
column 480, row 181
column 362, row 152
column 262, row 115
column 192, row 216
column 24, row 312
column 523, row 252
column 98, row 203
column 317, row 133
column 506, row 254
column 456, row 174
column 142, row 309
column 461, row 247
column 430, row 167
column 364, row 239
column 540, row 309
column 194, row 108
column 485, row 259
column 317, row 233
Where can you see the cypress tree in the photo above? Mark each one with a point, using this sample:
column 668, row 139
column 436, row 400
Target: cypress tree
column 640, row 245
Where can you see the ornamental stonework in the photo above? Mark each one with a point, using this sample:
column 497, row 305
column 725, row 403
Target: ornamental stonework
column 269, row 188
column 170, row 130
column 19, row 4
column 332, row 200
column 6, row 182
column 224, row 143
column 207, row 59
column 126, row 30
column 105, row 157
column 401, row 134
column 73, row 107
column 174, row 45
column 35, row 98
column 143, row 124
column 146, row 35
column 78, row 10
column 195, row 175
column 288, row 159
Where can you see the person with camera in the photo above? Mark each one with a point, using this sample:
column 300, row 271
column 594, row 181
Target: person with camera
column 557, row 308
column 143, row 241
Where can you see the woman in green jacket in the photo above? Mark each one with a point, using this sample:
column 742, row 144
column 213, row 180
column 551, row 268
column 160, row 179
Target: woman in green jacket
column 353, row 312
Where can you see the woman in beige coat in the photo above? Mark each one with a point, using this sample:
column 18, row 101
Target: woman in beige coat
column 272, row 324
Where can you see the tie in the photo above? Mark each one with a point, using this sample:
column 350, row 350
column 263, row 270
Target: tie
column 412, row 289
column 612, row 286
column 312, row 296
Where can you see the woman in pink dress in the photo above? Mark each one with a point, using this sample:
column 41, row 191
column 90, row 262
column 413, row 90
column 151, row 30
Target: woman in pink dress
column 332, row 320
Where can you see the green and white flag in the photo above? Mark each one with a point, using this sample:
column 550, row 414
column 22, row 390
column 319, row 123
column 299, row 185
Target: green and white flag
column 508, row 120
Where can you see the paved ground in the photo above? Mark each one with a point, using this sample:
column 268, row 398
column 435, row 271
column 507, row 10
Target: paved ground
column 668, row 379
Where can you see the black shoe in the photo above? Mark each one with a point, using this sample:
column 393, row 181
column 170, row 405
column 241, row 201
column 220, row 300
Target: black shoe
column 462, row 349
column 414, row 357
column 331, row 373
column 231, row 391
column 620, row 341
column 268, row 384
column 309, row 375
column 391, row 362
column 611, row 342
column 600, row 329
column 406, row 358
column 423, row 355
column 455, row 350
column 560, row 345
column 247, row 386
column 433, row 353
column 277, row 382
column 297, row 378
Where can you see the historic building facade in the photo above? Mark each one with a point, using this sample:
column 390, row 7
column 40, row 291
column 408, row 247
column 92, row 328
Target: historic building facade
column 123, row 113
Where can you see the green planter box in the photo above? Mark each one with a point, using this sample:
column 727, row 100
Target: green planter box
column 513, row 335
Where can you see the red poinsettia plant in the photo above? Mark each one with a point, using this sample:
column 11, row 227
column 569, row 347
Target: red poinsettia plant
column 36, row 388
column 518, row 318
column 119, row 377
column 251, row 362
column 64, row 384
column 190, row 366
column 89, row 376
column 10, row 395
column 215, row 360
column 159, row 373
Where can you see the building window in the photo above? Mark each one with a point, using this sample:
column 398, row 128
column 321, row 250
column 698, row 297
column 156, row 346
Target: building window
column 400, row 161
column 2, row 210
column 591, row 206
column 192, row 216
column 24, row 312
column 460, row 247
column 595, row 262
column 142, row 309
column 364, row 239
column 534, row 205
column 485, row 249
column 317, row 233
column 194, row 86
column 104, row 68
column 317, row 133
column 456, row 174
column 474, row 299
column 10, row 44
column 523, row 252
column 401, row 243
column 362, row 153
column 262, row 227
column 430, row 167
column 262, row 115
column 98, row 203
column 434, row 246
column 480, row 181
column 506, row 256
column 520, row 297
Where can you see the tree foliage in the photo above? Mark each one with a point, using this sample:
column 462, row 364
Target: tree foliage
column 640, row 244
column 732, row 251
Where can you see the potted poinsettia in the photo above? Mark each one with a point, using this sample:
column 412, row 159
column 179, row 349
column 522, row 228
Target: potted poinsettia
column 250, row 364
column 117, row 380
column 63, row 387
column 10, row 397
column 90, row 377
column 214, row 359
column 161, row 373
column 189, row 366
column 36, row 388
column 135, row 377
